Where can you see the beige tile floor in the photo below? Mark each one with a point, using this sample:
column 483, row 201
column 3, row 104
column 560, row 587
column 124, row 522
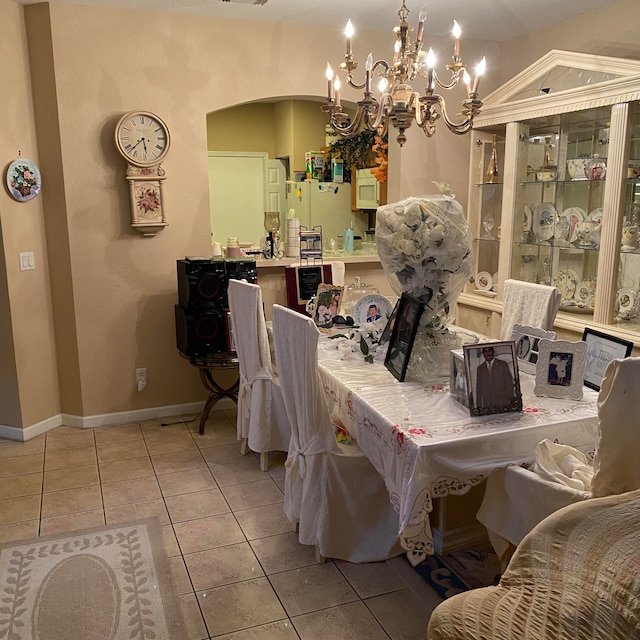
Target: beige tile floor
column 240, row 572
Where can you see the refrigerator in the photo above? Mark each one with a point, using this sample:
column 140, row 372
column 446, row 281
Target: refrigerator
column 327, row 204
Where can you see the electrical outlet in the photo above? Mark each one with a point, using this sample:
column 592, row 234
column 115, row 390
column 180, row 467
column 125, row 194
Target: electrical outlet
column 141, row 376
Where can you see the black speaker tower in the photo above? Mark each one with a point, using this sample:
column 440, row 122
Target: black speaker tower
column 202, row 314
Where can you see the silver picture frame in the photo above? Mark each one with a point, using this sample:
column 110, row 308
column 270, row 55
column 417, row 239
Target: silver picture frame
column 527, row 341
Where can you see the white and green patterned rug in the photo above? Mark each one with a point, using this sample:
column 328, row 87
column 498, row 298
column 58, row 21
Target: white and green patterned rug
column 109, row 583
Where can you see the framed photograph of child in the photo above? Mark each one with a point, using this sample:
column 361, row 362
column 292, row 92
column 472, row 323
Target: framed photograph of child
column 327, row 305
column 560, row 370
column 493, row 380
column 403, row 334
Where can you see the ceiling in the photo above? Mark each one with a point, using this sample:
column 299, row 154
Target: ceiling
column 481, row 19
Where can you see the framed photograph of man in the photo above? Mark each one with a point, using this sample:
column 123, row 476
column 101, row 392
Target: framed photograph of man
column 560, row 370
column 327, row 305
column 403, row 334
column 492, row 377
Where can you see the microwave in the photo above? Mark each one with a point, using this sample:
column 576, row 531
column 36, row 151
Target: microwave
column 367, row 190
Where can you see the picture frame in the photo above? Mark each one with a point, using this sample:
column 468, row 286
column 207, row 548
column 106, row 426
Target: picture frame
column 493, row 378
column 560, row 369
column 403, row 334
column 602, row 348
column 386, row 332
column 527, row 341
column 458, row 386
column 327, row 305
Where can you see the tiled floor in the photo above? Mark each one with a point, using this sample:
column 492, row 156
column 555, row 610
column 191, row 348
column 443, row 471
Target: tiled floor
column 240, row 571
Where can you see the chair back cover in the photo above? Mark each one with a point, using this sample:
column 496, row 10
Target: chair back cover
column 530, row 304
column 296, row 345
column 261, row 415
column 615, row 465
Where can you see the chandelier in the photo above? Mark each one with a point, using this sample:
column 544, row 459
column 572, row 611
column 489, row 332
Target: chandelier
column 396, row 100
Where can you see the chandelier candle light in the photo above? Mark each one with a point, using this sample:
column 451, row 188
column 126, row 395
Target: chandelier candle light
column 397, row 101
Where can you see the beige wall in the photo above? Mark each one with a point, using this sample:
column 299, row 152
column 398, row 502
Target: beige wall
column 613, row 30
column 247, row 127
column 113, row 291
column 28, row 377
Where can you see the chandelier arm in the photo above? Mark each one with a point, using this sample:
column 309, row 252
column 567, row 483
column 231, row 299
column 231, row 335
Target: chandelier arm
column 455, row 78
column 383, row 106
column 458, row 128
column 352, row 84
column 338, row 122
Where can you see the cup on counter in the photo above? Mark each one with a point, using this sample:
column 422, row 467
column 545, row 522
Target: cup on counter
column 347, row 241
column 233, row 248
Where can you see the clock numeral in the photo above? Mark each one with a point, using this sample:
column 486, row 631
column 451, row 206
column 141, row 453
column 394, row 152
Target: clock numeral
column 127, row 147
column 135, row 153
column 133, row 122
column 159, row 147
column 141, row 119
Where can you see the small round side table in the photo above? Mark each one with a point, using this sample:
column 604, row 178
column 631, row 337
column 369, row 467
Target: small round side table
column 208, row 366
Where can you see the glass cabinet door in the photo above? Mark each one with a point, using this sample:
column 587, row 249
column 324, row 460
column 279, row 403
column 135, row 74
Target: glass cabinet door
column 627, row 298
column 559, row 204
column 486, row 219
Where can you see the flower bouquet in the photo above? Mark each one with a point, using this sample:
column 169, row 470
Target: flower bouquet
column 424, row 246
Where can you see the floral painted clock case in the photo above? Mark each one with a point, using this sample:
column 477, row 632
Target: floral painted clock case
column 563, row 207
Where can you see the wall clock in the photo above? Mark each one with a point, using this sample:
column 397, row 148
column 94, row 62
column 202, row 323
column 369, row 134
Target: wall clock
column 143, row 140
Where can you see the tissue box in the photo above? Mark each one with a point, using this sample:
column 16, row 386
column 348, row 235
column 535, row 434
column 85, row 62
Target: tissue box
column 458, row 384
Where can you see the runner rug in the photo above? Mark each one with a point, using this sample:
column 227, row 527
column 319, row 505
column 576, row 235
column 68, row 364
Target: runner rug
column 460, row 571
column 109, row 583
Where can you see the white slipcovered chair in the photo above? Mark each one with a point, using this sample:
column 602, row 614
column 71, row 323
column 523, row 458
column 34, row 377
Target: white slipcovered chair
column 574, row 577
column 262, row 423
column 332, row 491
column 528, row 304
column 516, row 499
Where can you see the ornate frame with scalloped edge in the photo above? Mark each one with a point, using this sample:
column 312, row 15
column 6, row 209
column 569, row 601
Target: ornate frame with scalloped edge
column 560, row 369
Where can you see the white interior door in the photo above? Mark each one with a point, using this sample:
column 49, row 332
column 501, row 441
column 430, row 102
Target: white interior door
column 275, row 186
column 237, row 196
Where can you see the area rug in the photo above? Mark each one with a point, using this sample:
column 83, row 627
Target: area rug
column 460, row 571
column 108, row 583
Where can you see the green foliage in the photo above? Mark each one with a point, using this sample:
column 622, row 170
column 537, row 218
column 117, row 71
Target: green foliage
column 355, row 151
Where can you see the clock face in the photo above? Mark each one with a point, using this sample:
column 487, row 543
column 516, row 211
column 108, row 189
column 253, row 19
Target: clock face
column 142, row 138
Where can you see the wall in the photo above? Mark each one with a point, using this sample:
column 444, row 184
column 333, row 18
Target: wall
column 113, row 291
column 29, row 391
column 613, row 30
column 247, row 127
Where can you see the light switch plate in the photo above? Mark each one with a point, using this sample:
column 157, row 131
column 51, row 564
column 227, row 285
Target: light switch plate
column 27, row 261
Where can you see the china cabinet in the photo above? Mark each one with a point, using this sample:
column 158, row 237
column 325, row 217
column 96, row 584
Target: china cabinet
column 554, row 192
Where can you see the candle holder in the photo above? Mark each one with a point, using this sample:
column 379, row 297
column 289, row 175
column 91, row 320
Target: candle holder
column 272, row 226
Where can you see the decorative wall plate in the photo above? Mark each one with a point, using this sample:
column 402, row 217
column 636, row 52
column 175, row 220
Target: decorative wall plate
column 626, row 299
column 585, row 292
column 484, row 281
column 361, row 313
column 544, row 220
column 573, row 215
column 596, row 215
column 567, row 282
column 23, row 179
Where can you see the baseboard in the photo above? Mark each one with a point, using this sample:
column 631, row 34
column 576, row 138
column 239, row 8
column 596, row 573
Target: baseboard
column 106, row 419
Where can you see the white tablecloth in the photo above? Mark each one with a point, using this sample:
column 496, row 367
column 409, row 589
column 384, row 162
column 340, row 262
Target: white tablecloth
column 426, row 445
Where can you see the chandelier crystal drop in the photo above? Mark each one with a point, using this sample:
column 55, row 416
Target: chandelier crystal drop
column 395, row 99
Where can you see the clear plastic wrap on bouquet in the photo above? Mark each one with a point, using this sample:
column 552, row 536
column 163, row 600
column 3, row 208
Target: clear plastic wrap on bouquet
column 424, row 246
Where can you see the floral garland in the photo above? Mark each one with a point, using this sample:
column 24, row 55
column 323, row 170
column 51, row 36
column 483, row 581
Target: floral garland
column 362, row 339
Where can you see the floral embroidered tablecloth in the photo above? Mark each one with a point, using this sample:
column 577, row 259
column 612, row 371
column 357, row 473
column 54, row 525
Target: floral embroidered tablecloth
column 426, row 445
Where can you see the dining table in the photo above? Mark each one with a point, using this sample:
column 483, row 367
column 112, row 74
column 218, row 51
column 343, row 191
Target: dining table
column 426, row 445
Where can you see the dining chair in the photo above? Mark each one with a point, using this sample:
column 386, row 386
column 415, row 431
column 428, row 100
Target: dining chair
column 516, row 499
column 262, row 422
column 530, row 304
column 332, row 492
